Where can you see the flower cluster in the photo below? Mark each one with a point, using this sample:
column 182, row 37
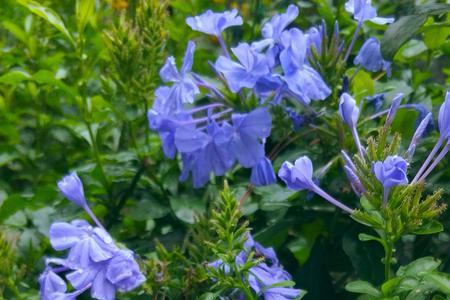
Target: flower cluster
column 212, row 137
column 267, row 278
column 391, row 172
column 94, row 261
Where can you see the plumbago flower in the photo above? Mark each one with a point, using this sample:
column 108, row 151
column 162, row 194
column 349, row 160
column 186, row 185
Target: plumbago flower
column 363, row 10
column 267, row 278
column 391, row 172
column 183, row 89
column 94, row 261
column 252, row 65
column 211, row 138
column 370, row 58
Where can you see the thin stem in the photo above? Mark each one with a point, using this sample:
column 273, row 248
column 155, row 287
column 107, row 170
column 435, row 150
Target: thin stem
column 223, row 46
column 352, row 43
column 98, row 160
column 316, row 189
column 385, row 196
column 357, row 142
column 441, row 155
column 123, row 199
column 245, row 196
column 93, row 217
column 428, row 160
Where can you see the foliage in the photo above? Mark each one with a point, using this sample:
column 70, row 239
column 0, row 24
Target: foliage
column 77, row 80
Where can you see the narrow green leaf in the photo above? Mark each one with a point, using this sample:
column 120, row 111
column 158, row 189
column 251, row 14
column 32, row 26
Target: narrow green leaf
column 430, row 228
column 432, row 9
column 399, row 33
column 362, row 287
column 84, row 12
column 49, row 15
column 14, row 77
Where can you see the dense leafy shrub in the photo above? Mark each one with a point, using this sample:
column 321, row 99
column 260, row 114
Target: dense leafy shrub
column 184, row 149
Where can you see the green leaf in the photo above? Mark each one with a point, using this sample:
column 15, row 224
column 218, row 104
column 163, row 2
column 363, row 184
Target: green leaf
column 367, row 237
column 362, row 287
column 439, row 280
column 399, row 33
column 187, row 207
column 18, row 32
column 49, row 15
column 419, row 266
column 11, row 205
column 84, row 12
column 430, row 228
column 432, row 9
column 14, row 77
column 390, row 285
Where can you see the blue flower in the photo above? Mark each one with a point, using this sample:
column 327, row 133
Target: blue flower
column 265, row 277
column 123, row 271
column 444, row 117
column 393, row 109
column 248, row 132
column 376, row 100
column 214, row 23
column 348, row 110
column 272, row 32
column 420, row 130
column 370, row 58
column 53, row 287
column 252, row 65
column 94, row 262
column 301, row 79
column 362, row 10
column 349, row 113
column 72, row 188
column 203, row 153
column 298, row 176
column 183, row 89
column 262, row 173
column 391, row 172
column 87, row 244
column 166, row 127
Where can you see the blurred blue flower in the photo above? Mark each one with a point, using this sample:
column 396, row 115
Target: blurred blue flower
column 262, row 173
column 183, row 89
column 252, row 65
column 214, row 23
column 314, row 37
column 423, row 125
column 444, row 117
column 362, row 10
column 72, row 188
column 376, row 100
column 393, row 109
column 370, row 58
column 391, row 172
column 297, row 119
column 301, row 79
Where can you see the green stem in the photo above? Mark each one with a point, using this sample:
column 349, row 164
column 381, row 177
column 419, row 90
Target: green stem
column 387, row 262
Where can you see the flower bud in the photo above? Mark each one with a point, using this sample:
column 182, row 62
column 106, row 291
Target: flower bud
column 72, row 188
